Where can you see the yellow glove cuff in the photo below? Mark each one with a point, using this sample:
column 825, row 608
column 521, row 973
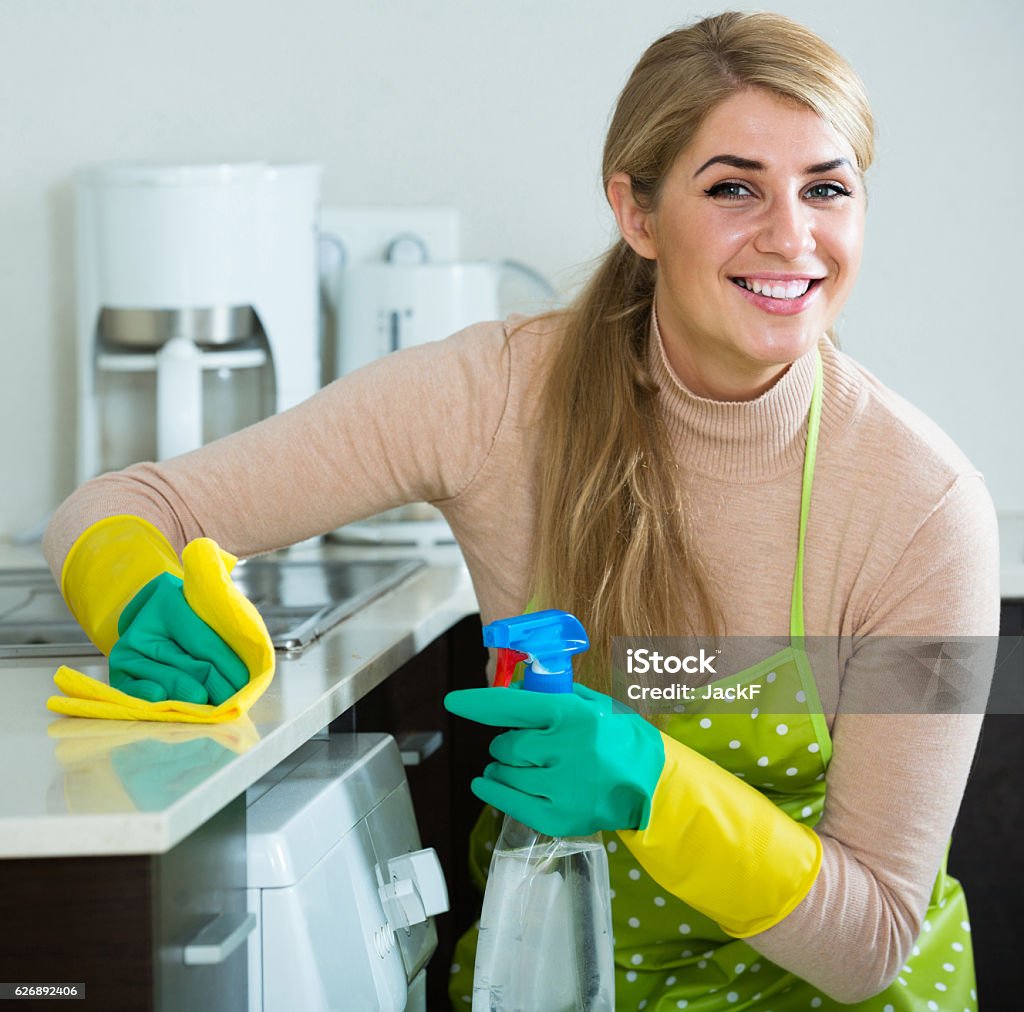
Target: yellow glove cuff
column 722, row 847
column 107, row 566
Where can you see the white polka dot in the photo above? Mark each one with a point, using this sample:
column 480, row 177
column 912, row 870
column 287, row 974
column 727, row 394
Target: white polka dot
column 684, row 929
column 679, row 708
column 906, row 969
column 467, row 1000
column 709, row 953
column 763, row 761
column 963, row 924
column 755, row 968
column 682, row 1003
column 642, row 1005
column 933, row 1006
column 739, row 967
column 927, row 925
column 488, row 845
column 659, row 901
column 687, row 953
column 781, row 729
column 455, row 968
column 634, row 873
column 948, row 967
column 888, row 1008
column 916, row 951
column 631, row 976
column 801, row 696
column 815, row 1003
column 732, row 996
column 768, row 783
column 705, row 723
column 634, row 922
column 669, row 981
column 701, row 963
column 939, row 986
column 739, row 773
column 974, row 995
column 806, row 810
column 755, row 711
column 813, row 747
column 792, row 771
column 734, row 744
column 957, row 947
column 820, row 776
column 902, row 981
column 770, row 677
column 611, row 892
column 636, row 959
column 611, row 846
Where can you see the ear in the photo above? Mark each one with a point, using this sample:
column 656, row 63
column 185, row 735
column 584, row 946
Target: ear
column 635, row 223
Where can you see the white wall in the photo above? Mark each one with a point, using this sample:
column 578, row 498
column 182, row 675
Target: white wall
column 499, row 108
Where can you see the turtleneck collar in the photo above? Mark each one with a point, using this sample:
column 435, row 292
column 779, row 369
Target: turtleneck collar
column 742, row 440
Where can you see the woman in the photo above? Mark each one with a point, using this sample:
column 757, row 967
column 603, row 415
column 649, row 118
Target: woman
column 682, row 451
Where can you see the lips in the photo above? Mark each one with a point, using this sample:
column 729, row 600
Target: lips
column 779, row 295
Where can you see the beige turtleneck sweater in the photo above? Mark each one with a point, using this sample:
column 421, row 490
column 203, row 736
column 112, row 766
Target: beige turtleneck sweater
column 901, row 541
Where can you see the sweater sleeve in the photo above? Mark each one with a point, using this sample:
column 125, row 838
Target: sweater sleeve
column 414, row 426
column 896, row 778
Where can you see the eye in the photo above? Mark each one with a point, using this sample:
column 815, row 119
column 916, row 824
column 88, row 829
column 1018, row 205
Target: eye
column 729, row 191
column 827, row 191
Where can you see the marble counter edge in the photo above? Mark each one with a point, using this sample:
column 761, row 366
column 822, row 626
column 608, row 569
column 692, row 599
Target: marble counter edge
column 400, row 624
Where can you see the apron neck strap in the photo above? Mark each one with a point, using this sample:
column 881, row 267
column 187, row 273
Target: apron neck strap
column 796, row 607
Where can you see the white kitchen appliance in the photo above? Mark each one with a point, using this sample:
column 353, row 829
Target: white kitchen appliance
column 197, row 304
column 343, row 894
column 385, row 306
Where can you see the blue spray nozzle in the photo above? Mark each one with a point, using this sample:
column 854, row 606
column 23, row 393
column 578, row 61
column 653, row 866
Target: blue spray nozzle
column 548, row 639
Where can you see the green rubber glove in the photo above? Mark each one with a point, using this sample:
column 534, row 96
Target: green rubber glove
column 574, row 763
column 166, row 651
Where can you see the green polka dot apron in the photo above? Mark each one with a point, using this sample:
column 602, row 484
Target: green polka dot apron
column 667, row 955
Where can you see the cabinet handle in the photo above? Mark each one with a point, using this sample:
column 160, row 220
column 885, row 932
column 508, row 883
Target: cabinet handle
column 218, row 939
column 416, row 746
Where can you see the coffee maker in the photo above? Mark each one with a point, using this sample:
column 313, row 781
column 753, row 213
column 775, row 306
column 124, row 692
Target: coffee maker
column 197, row 304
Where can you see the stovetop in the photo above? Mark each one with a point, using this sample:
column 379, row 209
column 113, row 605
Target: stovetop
column 299, row 601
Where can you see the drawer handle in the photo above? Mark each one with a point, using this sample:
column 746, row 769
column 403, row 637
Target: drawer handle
column 417, row 746
column 219, row 939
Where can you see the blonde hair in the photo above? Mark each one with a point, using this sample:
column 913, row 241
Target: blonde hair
column 614, row 545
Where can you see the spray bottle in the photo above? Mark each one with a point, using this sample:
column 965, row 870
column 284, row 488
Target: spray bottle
column 545, row 930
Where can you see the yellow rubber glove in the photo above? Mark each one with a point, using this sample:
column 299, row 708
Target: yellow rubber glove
column 722, row 846
column 104, row 570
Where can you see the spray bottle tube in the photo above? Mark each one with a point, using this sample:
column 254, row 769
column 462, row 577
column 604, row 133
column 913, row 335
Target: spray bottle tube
column 545, row 940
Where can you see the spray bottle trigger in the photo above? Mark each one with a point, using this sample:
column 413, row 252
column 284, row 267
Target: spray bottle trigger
column 507, row 661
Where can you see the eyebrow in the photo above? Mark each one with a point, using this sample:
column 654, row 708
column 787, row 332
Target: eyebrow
column 754, row 166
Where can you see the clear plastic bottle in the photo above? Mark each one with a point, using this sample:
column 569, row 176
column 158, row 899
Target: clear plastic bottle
column 545, row 940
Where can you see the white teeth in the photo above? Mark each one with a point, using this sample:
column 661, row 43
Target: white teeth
column 776, row 289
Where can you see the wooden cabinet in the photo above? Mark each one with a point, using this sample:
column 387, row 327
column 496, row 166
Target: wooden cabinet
column 120, row 924
column 987, row 855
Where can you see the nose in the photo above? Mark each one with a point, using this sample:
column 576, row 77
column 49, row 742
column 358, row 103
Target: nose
column 786, row 229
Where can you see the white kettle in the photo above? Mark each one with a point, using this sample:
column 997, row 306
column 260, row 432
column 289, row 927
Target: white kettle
column 386, row 306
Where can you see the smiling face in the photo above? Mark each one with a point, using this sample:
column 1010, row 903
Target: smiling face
column 757, row 232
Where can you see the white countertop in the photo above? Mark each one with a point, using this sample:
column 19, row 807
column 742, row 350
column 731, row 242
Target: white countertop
column 75, row 786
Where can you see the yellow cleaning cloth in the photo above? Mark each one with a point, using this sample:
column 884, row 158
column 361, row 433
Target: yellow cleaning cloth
column 211, row 594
